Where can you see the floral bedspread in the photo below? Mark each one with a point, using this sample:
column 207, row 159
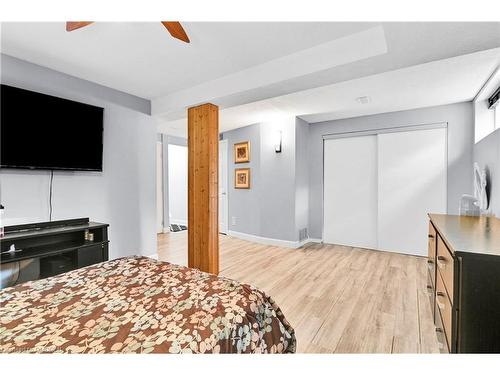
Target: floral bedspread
column 140, row 305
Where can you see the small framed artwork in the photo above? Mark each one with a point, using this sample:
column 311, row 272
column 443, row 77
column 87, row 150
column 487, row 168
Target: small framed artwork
column 242, row 178
column 242, row 152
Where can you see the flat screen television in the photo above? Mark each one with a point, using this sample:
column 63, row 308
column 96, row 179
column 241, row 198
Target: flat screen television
column 40, row 131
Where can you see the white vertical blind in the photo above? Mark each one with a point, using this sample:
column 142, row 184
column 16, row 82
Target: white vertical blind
column 350, row 191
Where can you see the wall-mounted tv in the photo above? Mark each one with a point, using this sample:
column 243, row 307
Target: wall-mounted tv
column 40, row 131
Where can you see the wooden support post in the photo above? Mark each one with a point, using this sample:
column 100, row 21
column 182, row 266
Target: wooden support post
column 203, row 191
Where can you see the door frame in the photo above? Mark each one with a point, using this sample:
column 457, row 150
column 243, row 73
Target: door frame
column 160, row 186
column 376, row 131
column 223, row 143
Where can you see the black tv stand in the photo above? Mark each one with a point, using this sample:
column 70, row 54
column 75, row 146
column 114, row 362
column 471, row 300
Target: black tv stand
column 50, row 248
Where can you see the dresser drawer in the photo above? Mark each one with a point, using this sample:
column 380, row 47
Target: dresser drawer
column 431, row 293
column 444, row 306
column 431, row 256
column 444, row 262
column 441, row 335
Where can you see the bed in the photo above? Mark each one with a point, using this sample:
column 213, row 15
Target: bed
column 141, row 305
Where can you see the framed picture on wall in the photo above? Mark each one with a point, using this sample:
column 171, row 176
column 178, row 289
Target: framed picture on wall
column 242, row 152
column 242, row 178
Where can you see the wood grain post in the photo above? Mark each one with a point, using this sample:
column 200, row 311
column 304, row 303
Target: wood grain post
column 203, row 190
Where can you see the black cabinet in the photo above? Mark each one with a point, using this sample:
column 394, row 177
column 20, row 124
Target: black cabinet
column 91, row 255
column 47, row 249
column 466, row 294
column 55, row 265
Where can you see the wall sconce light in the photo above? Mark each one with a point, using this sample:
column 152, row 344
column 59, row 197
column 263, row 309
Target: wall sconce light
column 277, row 142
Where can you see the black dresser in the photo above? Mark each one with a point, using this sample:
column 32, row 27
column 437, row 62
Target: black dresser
column 464, row 282
column 40, row 250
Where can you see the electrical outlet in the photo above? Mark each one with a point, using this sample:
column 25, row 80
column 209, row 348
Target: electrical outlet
column 233, row 220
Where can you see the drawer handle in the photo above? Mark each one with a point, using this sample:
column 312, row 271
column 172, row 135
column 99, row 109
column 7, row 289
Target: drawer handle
column 440, row 305
column 431, row 236
column 430, row 261
column 441, row 261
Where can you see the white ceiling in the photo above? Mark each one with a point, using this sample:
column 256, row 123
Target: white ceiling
column 315, row 70
column 263, row 79
column 406, row 44
column 440, row 82
column 142, row 58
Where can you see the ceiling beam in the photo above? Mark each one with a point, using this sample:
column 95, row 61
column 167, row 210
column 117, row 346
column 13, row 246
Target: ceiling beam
column 243, row 84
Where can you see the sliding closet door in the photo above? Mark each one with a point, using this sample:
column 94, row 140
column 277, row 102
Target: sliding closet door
column 350, row 191
column 412, row 182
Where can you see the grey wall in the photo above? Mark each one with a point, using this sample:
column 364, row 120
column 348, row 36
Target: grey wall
column 460, row 143
column 267, row 209
column 277, row 180
column 301, row 175
column 123, row 195
column 487, row 155
column 244, row 205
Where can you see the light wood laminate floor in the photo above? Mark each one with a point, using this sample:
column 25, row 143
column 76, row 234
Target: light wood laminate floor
column 339, row 299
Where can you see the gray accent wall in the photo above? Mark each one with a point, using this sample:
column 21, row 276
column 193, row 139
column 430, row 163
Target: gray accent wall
column 244, row 205
column 267, row 209
column 123, row 195
column 301, row 175
column 487, row 155
column 34, row 77
column 277, row 180
column 460, row 145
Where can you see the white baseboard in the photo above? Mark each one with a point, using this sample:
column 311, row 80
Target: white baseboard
column 315, row 240
column 271, row 241
column 153, row 256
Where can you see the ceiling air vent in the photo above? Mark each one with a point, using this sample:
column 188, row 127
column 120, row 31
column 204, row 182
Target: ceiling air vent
column 363, row 99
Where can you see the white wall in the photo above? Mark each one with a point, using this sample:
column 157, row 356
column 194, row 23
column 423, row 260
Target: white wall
column 487, row 155
column 484, row 117
column 177, row 183
column 487, row 142
column 484, row 120
column 123, row 195
column 487, row 147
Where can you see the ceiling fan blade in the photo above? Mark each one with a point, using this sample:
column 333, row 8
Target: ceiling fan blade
column 176, row 30
column 70, row 26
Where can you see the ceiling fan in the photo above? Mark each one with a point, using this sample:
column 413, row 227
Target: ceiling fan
column 174, row 28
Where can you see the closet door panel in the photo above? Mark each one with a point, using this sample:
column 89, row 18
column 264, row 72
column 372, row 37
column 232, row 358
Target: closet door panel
column 350, row 191
column 411, row 183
